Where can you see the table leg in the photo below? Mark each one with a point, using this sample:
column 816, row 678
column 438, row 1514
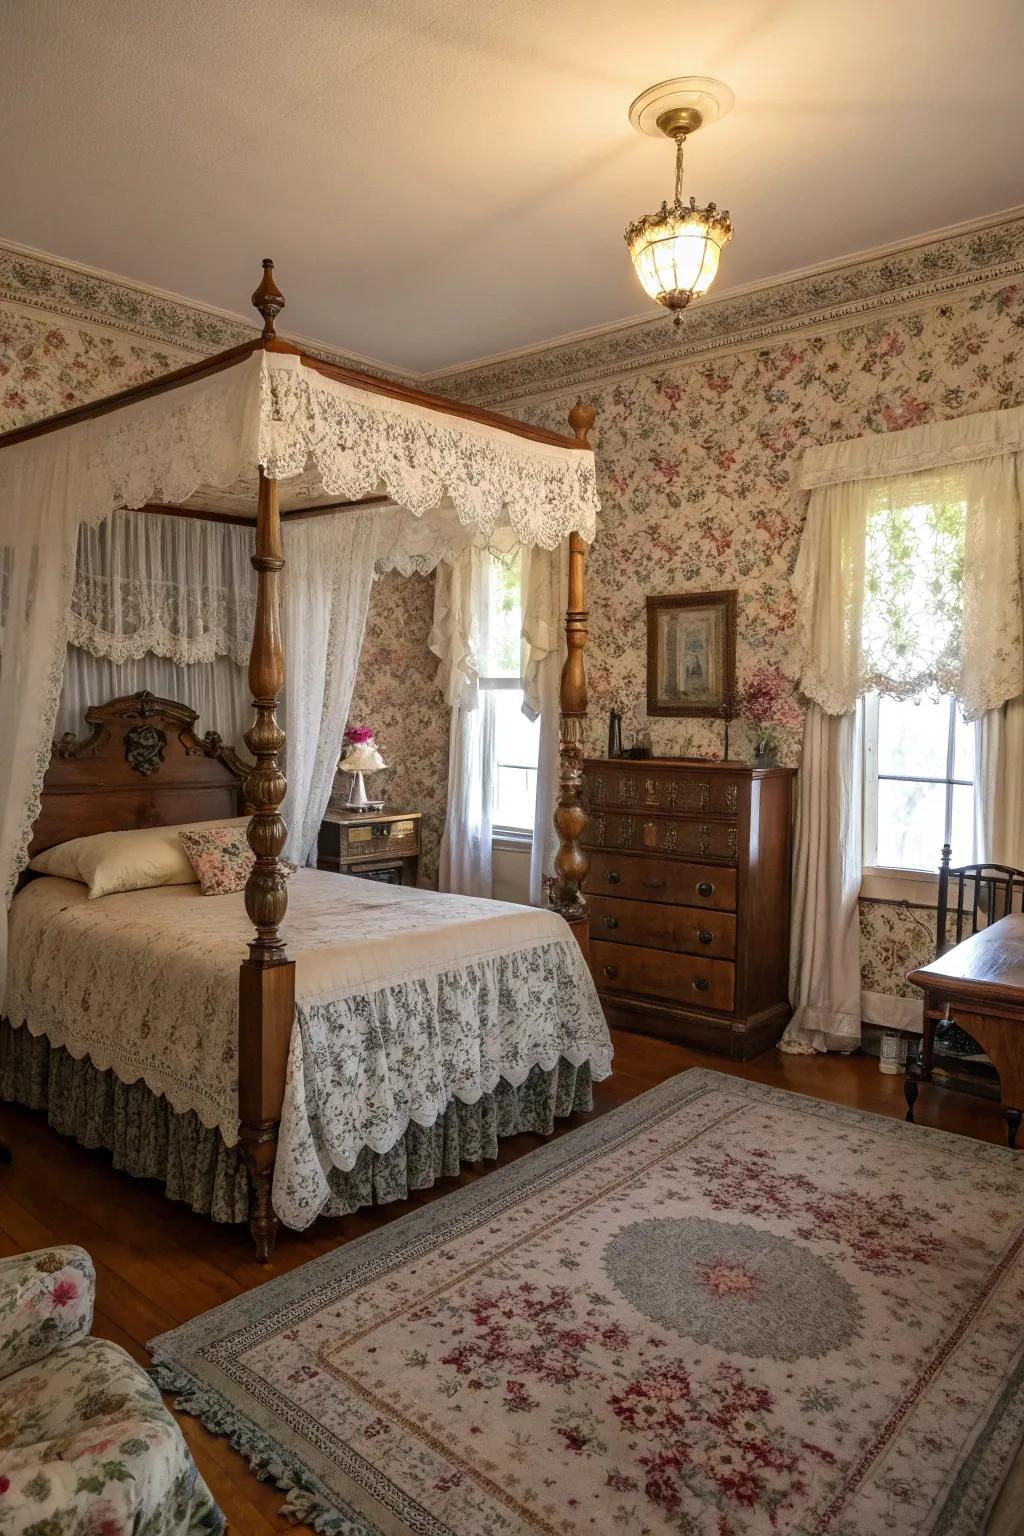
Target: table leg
column 1013, row 1119
column 910, row 1094
column 5, row 1152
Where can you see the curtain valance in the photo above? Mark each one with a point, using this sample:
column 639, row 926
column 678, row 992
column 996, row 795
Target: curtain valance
column 909, row 582
column 937, row 445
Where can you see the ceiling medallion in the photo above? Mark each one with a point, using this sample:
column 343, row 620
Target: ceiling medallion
column 676, row 250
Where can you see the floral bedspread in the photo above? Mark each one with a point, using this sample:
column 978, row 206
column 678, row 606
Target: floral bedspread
column 405, row 1000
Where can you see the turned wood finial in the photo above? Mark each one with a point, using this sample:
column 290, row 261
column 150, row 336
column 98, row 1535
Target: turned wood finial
column 581, row 419
column 268, row 298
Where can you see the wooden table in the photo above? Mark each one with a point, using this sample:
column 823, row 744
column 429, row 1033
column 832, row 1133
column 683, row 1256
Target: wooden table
column 982, row 980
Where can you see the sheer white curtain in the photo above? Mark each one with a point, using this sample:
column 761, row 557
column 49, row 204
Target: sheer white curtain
column 217, row 690
column 458, row 638
column 999, row 799
column 326, row 586
column 908, row 581
column 38, row 533
column 545, row 586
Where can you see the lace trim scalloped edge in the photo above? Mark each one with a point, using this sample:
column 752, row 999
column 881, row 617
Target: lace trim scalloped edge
column 597, row 1057
column 306, row 1498
column 158, row 640
column 55, row 1036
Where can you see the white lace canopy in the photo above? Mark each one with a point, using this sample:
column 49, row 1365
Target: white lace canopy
column 449, row 482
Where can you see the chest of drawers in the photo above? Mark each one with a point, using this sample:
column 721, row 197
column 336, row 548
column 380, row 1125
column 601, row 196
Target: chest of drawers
column 688, row 895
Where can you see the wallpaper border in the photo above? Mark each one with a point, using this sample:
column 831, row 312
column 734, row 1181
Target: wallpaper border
column 37, row 281
column 920, row 273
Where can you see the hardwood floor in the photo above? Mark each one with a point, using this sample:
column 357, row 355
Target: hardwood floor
column 158, row 1265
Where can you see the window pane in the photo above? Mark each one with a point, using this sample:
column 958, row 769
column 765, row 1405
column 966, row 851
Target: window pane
column 913, row 738
column 963, row 761
column 516, row 798
column 517, row 741
column 962, row 840
column 504, row 620
column 911, row 824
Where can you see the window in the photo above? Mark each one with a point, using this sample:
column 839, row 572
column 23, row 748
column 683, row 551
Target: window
column 516, row 739
column 919, row 783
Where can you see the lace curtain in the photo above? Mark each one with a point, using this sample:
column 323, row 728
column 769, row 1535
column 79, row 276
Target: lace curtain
column 459, row 637
column 169, row 586
column 908, row 579
column 327, row 580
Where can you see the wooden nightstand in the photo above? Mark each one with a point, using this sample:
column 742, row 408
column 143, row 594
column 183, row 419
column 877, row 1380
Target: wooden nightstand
column 380, row 845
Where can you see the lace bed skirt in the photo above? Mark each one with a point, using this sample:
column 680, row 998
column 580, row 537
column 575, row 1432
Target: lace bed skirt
column 149, row 1140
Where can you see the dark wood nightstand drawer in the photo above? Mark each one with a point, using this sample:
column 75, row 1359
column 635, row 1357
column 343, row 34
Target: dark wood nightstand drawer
column 644, row 879
column 687, row 979
column 372, row 839
column 660, row 926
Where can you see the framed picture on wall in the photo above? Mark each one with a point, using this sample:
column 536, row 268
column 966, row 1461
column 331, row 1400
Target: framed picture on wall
column 691, row 653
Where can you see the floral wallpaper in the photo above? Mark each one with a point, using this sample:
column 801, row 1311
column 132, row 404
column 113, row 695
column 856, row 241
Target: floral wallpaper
column 696, row 465
column 395, row 693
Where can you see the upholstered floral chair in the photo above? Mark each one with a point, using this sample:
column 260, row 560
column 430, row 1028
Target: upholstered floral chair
column 87, row 1447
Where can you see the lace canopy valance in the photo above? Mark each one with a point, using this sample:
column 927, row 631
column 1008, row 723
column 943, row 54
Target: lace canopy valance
column 909, row 576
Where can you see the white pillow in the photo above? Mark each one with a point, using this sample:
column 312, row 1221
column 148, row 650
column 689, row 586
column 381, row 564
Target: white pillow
column 126, row 861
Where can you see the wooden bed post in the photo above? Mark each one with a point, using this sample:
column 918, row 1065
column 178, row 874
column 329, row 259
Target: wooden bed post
column 571, row 860
column 266, row 994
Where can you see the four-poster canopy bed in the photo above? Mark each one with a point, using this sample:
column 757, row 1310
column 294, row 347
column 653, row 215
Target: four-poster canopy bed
column 305, row 438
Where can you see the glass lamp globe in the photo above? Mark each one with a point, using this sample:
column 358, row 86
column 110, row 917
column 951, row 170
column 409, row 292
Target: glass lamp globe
column 676, row 251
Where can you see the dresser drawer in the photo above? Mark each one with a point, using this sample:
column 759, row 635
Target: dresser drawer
column 659, row 926
column 686, row 979
column 646, row 879
column 691, row 792
column 684, row 837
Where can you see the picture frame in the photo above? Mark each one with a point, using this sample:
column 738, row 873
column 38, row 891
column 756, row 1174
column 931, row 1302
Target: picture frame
column 691, row 654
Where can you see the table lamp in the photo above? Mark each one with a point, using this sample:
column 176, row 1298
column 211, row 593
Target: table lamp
column 361, row 757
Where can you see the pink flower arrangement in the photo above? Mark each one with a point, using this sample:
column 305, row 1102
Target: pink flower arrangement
column 358, row 735
column 759, row 700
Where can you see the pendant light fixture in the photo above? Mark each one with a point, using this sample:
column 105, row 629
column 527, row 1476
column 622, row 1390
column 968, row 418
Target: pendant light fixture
column 676, row 251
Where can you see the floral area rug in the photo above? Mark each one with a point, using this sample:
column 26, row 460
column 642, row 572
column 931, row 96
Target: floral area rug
column 720, row 1309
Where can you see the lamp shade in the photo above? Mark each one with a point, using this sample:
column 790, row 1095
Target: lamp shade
column 675, row 251
column 362, row 758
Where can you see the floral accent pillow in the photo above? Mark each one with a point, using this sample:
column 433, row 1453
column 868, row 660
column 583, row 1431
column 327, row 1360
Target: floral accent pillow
column 221, row 858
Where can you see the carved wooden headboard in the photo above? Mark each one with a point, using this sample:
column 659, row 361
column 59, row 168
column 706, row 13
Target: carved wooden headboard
column 142, row 765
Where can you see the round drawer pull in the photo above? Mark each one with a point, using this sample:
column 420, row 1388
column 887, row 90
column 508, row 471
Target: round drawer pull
column 613, row 877
column 706, row 936
column 705, row 888
column 611, row 922
column 613, row 970
column 702, row 984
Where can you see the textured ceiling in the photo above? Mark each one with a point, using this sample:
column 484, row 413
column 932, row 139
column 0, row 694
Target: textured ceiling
column 442, row 180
